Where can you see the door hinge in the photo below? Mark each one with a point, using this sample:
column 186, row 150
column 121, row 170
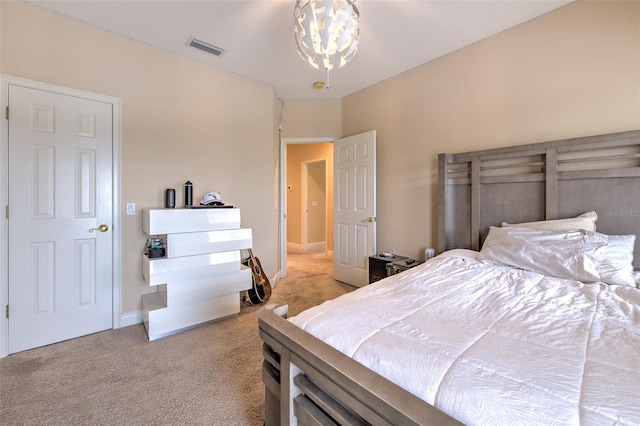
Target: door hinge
column 7, row 312
column 6, row 113
column 6, row 212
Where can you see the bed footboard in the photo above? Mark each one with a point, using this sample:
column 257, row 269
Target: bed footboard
column 309, row 382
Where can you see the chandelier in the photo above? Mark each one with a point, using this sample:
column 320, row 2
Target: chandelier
column 326, row 32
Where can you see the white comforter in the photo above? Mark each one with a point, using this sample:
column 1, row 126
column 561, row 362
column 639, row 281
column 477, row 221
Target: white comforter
column 489, row 344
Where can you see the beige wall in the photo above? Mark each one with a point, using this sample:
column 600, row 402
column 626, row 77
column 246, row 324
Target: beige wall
column 573, row 72
column 296, row 155
column 181, row 121
column 312, row 118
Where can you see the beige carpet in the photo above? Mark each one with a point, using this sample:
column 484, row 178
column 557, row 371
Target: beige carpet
column 209, row 375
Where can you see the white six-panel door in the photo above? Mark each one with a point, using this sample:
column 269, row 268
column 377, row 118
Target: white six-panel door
column 60, row 180
column 354, row 174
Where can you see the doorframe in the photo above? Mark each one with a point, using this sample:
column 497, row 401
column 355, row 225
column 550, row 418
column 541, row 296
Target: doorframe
column 304, row 200
column 283, row 190
column 5, row 82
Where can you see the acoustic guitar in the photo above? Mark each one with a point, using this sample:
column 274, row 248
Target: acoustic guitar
column 261, row 289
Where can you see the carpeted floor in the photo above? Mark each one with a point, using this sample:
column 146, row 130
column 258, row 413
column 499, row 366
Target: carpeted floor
column 209, row 375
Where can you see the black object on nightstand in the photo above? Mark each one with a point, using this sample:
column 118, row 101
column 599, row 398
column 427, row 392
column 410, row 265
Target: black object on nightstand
column 401, row 265
column 378, row 266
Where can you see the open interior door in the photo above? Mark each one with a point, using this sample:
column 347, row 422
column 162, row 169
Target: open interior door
column 354, row 207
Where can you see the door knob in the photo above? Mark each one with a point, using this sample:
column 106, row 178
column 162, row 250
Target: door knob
column 102, row 228
column 369, row 219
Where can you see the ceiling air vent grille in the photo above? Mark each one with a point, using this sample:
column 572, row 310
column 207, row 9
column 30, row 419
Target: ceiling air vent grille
column 198, row 44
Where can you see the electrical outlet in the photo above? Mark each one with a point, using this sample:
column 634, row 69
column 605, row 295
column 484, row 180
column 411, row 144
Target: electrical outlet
column 131, row 208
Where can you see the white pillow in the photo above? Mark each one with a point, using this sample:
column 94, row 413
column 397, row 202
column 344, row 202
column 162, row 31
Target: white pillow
column 569, row 254
column 586, row 221
column 617, row 260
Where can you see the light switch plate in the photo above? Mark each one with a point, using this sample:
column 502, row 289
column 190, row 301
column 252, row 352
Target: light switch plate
column 131, row 208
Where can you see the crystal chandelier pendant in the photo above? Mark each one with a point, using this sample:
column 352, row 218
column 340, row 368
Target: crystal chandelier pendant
column 326, row 32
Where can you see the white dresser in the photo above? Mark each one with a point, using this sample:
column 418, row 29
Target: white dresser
column 201, row 275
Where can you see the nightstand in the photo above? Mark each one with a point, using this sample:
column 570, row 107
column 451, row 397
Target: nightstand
column 378, row 266
column 401, row 265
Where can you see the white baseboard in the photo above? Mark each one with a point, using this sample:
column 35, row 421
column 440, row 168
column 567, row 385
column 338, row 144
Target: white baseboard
column 130, row 318
column 321, row 245
column 275, row 279
column 294, row 246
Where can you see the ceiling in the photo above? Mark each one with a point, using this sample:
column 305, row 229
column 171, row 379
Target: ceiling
column 257, row 35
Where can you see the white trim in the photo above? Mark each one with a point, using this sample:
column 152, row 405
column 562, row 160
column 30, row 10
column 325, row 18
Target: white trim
column 319, row 246
column 283, row 190
column 4, row 240
column 304, row 204
column 130, row 318
column 5, row 81
column 294, row 246
column 274, row 280
column 310, row 140
column 117, row 211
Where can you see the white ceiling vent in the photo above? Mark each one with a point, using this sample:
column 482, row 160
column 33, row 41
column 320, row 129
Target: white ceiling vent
column 198, row 44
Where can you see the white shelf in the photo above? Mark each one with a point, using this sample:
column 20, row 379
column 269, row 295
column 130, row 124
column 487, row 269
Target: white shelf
column 173, row 221
column 162, row 321
column 164, row 270
column 193, row 243
column 201, row 275
column 219, row 285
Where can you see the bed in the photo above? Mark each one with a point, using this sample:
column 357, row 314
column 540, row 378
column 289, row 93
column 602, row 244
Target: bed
column 530, row 313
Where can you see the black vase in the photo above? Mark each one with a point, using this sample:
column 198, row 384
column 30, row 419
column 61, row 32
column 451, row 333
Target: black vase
column 188, row 194
column 170, row 198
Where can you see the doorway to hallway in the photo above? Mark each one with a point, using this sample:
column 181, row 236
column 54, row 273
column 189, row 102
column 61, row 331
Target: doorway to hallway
column 307, row 199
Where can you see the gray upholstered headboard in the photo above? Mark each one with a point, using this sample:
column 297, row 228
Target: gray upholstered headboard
column 550, row 180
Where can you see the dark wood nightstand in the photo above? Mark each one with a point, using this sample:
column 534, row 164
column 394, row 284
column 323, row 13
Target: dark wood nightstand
column 378, row 266
column 401, row 265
